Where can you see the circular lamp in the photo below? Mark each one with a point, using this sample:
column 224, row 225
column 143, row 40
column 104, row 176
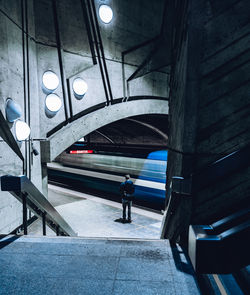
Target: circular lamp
column 13, row 110
column 22, row 130
column 105, row 13
column 80, row 88
column 53, row 103
column 50, row 81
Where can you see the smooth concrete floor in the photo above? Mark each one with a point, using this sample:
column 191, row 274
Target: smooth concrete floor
column 91, row 216
column 122, row 259
column 75, row 266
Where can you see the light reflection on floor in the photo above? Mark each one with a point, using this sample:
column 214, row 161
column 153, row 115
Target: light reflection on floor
column 91, row 216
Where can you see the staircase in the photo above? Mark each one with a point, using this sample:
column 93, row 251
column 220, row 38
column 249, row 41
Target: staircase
column 70, row 265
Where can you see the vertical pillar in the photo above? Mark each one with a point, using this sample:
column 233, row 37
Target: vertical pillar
column 184, row 100
column 24, row 197
column 44, row 223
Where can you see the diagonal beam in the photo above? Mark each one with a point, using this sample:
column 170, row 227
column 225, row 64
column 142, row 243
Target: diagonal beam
column 156, row 130
column 105, row 136
column 8, row 137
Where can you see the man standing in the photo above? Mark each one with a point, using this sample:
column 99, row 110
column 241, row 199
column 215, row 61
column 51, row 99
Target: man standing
column 127, row 189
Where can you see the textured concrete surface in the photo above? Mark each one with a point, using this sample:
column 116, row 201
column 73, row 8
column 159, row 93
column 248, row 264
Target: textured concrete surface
column 90, row 122
column 56, row 265
column 91, row 216
column 29, row 47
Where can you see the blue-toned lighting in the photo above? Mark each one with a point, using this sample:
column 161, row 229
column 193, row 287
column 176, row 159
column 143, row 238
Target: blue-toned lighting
column 105, row 13
column 80, row 88
column 22, row 130
column 50, row 81
column 13, row 110
column 53, row 103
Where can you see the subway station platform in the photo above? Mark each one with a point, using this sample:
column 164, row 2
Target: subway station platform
column 108, row 257
column 92, row 216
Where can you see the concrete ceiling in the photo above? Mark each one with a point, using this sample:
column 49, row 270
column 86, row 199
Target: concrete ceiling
column 153, row 54
column 147, row 26
column 147, row 132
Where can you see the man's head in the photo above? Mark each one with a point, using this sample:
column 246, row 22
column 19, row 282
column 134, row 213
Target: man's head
column 127, row 176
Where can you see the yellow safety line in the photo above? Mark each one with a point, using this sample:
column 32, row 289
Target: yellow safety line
column 220, row 285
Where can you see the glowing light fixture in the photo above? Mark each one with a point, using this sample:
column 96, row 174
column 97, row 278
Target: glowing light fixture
column 22, row 130
column 105, row 13
column 53, row 103
column 50, row 81
column 81, row 152
column 80, row 88
column 13, row 110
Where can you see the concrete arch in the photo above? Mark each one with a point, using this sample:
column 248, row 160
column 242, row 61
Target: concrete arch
column 90, row 122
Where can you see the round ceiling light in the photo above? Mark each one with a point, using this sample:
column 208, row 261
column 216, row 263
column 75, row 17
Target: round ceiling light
column 80, row 87
column 13, row 110
column 50, row 81
column 53, row 102
column 105, row 13
column 22, row 130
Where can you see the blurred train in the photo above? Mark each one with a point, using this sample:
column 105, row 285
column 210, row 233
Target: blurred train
column 103, row 173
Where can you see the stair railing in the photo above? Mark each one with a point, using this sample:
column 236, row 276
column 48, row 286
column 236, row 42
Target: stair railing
column 30, row 197
column 177, row 216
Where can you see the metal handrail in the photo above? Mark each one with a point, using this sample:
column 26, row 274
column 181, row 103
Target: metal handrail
column 27, row 193
column 223, row 252
column 174, row 225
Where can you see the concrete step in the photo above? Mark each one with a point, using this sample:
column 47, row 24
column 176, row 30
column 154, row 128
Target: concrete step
column 63, row 265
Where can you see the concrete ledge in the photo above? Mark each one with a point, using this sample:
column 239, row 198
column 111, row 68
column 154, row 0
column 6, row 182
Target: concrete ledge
column 90, row 122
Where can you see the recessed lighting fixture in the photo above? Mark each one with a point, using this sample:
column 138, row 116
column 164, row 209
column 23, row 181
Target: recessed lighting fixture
column 105, row 13
column 80, row 88
column 13, row 110
column 53, row 103
column 22, row 130
column 50, row 81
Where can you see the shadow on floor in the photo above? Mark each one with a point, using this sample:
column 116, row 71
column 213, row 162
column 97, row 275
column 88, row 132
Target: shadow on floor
column 6, row 241
column 181, row 259
column 121, row 220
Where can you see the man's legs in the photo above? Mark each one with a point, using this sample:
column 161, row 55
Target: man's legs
column 129, row 210
column 124, row 205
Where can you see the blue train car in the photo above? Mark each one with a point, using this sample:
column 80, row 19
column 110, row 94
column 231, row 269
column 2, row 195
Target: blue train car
column 103, row 174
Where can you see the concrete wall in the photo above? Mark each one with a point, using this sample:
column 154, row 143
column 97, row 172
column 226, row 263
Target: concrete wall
column 18, row 72
column 125, row 31
column 52, row 35
column 224, row 109
column 93, row 121
column 209, row 103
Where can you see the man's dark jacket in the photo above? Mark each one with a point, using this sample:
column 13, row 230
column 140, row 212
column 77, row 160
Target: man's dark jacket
column 127, row 189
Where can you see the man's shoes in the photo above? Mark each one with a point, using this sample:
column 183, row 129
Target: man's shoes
column 122, row 220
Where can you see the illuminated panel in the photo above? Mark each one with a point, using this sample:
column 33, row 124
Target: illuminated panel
column 80, row 87
column 105, row 13
column 22, row 130
column 50, row 80
column 81, row 152
column 53, row 102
